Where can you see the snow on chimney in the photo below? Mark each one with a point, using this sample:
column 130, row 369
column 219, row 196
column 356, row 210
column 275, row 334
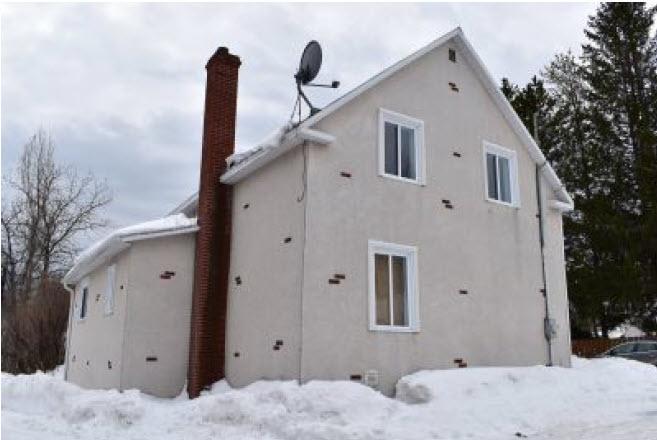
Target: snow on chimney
column 209, row 303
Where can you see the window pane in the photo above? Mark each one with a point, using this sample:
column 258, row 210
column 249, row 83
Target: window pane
column 83, row 307
column 391, row 166
column 505, row 179
column 491, row 171
column 646, row 346
column 408, row 153
column 624, row 348
column 109, row 293
column 399, row 296
column 382, row 289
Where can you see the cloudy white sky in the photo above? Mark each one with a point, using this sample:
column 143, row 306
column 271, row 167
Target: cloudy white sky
column 120, row 87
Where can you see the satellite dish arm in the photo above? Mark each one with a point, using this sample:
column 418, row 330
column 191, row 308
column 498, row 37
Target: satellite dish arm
column 313, row 109
column 333, row 85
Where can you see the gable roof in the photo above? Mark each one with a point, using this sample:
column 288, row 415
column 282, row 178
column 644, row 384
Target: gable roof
column 305, row 132
column 491, row 87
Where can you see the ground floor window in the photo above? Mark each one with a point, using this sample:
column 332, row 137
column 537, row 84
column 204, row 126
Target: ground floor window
column 393, row 287
column 83, row 302
column 109, row 290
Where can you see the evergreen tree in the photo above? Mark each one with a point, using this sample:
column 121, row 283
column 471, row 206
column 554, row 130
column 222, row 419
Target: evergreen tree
column 576, row 160
column 531, row 101
column 598, row 127
column 621, row 72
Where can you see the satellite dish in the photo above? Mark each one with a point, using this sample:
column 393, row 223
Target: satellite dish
column 311, row 61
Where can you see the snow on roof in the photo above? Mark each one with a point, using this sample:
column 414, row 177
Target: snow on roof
column 117, row 241
column 272, row 140
column 276, row 144
column 187, row 207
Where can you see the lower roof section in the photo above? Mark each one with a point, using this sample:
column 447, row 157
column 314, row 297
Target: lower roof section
column 116, row 242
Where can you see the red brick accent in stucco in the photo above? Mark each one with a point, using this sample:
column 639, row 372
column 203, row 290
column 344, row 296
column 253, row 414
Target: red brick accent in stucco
column 209, row 301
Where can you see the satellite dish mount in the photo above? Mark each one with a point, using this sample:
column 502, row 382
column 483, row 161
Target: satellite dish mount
column 311, row 61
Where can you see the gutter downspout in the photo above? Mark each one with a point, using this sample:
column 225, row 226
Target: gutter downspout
column 71, row 293
column 547, row 323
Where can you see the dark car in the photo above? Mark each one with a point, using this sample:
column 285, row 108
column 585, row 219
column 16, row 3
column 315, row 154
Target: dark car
column 642, row 351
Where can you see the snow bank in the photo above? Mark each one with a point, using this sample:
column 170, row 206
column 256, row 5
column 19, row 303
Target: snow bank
column 596, row 396
column 273, row 140
column 45, row 394
column 318, row 410
column 532, row 399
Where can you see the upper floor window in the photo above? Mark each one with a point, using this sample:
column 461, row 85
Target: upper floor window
column 401, row 147
column 501, row 175
column 393, row 287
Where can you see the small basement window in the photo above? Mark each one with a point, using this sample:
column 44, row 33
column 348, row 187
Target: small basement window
column 393, row 294
column 501, row 175
column 401, row 147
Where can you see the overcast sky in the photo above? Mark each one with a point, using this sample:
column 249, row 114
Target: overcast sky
column 121, row 87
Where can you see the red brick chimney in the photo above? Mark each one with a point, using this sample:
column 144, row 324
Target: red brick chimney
column 209, row 302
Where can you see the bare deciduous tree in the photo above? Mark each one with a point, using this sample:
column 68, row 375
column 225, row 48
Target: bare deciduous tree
column 49, row 205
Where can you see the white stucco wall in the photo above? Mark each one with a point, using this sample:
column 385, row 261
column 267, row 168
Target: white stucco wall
column 265, row 307
column 98, row 338
column 151, row 318
column 159, row 313
column 487, row 248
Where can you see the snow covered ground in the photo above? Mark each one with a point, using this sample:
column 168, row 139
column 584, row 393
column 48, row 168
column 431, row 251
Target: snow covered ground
column 603, row 399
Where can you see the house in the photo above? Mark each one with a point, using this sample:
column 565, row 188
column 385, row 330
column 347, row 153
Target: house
column 411, row 224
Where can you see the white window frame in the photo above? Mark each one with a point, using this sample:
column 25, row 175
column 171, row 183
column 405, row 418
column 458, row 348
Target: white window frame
column 410, row 253
column 83, row 285
column 110, row 288
column 417, row 125
column 512, row 157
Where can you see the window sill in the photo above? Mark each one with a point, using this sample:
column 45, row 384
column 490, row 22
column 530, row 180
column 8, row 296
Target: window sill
column 402, row 179
column 393, row 329
column 499, row 202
